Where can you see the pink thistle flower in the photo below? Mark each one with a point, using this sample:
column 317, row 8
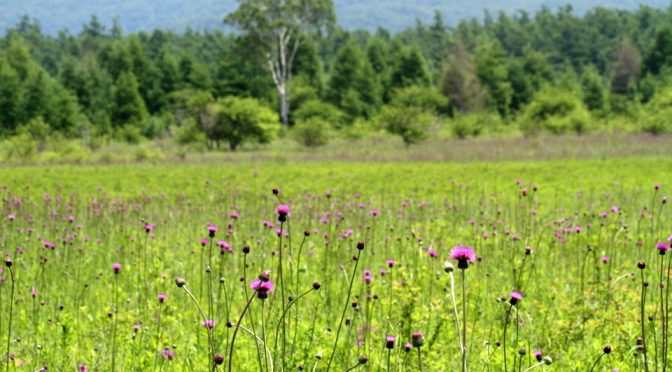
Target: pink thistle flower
column 235, row 215
column 33, row 293
column 224, row 246
column 11, row 217
column 161, row 297
column 203, row 242
column 208, row 323
column 168, row 354
column 212, row 229
column 389, row 342
column 538, row 355
column 614, row 209
column 116, row 267
column 463, row 255
column 262, row 287
column 662, row 247
column 432, row 253
column 390, row 263
column 375, row 212
column 515, row 297
column 604, row 259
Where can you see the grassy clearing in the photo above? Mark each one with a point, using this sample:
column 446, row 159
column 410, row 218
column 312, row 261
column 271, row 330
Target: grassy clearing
column 574, row 303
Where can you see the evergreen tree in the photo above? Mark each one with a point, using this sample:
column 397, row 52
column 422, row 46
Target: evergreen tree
column 129, row 108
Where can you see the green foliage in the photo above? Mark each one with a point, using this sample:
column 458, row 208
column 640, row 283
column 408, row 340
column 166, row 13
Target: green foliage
column 658, row 111
column 475, row 124
column 411, row 113
column 556, row 111
column 594, row 92
column 325, row 111
column 129, row 107
column 352, row 86
column 410, row 70
column 312, row 132
column 492, row 71
column 239, row 120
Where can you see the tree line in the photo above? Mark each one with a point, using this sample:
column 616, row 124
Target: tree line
column 549, row 71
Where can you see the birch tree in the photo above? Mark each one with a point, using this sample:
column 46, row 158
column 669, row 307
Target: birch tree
column 277, row 28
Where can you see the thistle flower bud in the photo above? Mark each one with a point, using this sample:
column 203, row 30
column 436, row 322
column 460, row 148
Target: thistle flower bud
column 180, row 282
column 448, row 267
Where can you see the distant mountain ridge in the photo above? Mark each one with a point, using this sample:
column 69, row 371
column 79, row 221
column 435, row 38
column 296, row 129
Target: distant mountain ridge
column 395, row 15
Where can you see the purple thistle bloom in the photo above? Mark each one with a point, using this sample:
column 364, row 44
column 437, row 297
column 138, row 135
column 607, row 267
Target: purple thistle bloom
column 515, row 297
column 116, row 267
column 11, row 217
column 375, row 212
column 538, row 355
column 162, row 297
column 149, row 228
column 662, row 247
column 390, row 263
column 389, row 342
column 262, row 288
column 225, row 246
column 83, row 368
column 208, row 323
column 431, row 252
column 235, row 215
column 282, row 209
column 212, row 229
column 417, row 339
column 203, row 242
column 168, row 354
column 604, row 259
column 408, row 347
column 463, row 255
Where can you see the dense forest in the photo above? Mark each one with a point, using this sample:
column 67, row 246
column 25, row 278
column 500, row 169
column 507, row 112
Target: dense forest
column 550, row 71
column 177, row 15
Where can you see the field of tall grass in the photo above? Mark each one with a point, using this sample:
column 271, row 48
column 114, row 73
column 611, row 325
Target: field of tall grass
column 508, row 266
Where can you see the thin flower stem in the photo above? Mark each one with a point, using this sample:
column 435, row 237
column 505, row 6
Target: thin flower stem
column 200, row 309
column 9, row 327
column 457, row 317
column 235, row 331
column 282, row 294
column 535, row 366
column 345, row 309
column 596, row 362
column 506, row 324
column 464, row 324
column 643, row 323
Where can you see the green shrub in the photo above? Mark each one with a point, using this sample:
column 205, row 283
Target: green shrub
column 189, row 133
column 20, row 147
column 129, row 133
column 657, row 112
column 312, row 132
column 410, row 123
column 316, row 108
column 237, row 120
column 556, row 111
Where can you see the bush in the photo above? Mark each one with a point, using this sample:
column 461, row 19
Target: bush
column 189, row 133
column 658, row 111
column 410, row 123
column 556, row 111
column 411, row 112
column 237, row 120
column 312, row 132
column 316, row 108
column 20, row 147
column 129, row 133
